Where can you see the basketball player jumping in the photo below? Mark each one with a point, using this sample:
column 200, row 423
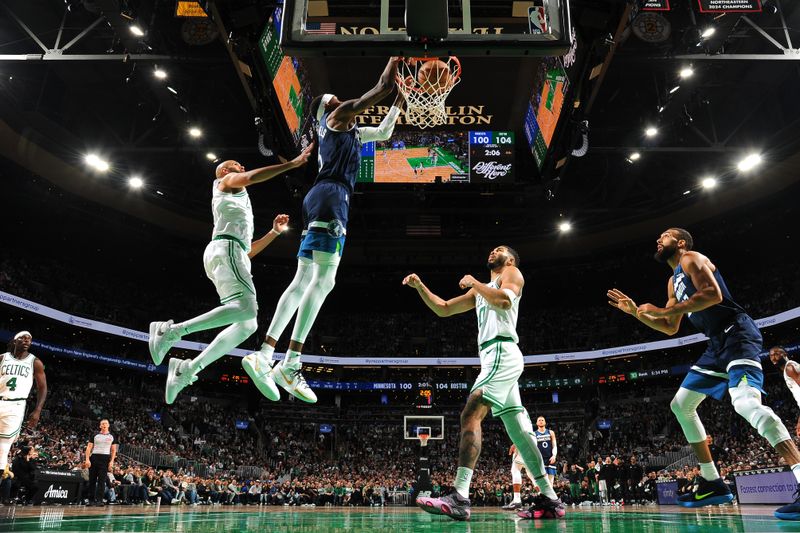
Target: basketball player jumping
column 496, row 388
column 791, row 375
column 18, row 369
column 326, row 209
column 731, row 361
column 227, row 264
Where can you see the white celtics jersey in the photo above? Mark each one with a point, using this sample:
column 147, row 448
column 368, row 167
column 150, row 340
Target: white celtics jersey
column 233, row 215
column 495, row 322
column 16, row 376
column 793, row 387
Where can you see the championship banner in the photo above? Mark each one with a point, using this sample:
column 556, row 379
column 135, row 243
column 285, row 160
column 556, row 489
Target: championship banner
column 729, row 6
column 61, row 316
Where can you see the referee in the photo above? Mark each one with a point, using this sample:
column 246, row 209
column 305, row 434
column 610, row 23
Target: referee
column 100, row 455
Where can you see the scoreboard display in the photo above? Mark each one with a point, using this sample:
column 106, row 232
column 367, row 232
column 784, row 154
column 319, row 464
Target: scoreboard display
column 491, row 156
column 432, row 157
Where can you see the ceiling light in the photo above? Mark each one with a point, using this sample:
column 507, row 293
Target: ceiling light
column 94, row 161
column 708, row 183
column 136, row 182
column 195, row 132
column 651, row 131
column 686, row 192
column 672, row 91
column 173, row 91
column 686, row 72
column 211, row 156
column 634, row 156
column 749, row 162
column 136, row 30
column 565, row 227
column 708, row 32
column 160, row 74
column 660, row 108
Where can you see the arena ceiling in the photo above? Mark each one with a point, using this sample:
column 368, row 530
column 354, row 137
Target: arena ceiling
column 100, row 95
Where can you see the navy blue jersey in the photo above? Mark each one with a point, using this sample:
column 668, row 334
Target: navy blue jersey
column 339, row 154
column 544, row 442
column 713, row 320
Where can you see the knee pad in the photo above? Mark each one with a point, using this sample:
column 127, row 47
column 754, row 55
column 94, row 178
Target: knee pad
column 747, row 402
column 684, row 407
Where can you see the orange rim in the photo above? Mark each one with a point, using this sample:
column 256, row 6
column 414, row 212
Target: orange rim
column 453, row 78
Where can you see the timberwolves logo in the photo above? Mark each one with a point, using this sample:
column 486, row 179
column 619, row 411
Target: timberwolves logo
column 335, row 229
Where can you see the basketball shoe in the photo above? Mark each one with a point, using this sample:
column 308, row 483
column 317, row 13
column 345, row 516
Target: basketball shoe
column 707, row 493
column 453, row 505
column 162, row 338
column 178, row 378
column 513, row 506
column 293, row 382
column 259, row 367
column 791, row 511
column 544, row 507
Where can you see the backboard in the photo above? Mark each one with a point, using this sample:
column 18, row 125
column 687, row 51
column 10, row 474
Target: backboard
column 377, row 28
column 414, row 425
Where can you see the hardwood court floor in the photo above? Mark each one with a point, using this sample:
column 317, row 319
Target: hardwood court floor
column 395, row 166
column 727, row 519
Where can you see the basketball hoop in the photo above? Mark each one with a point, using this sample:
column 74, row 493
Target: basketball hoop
column 425, row 97
column 423, row 440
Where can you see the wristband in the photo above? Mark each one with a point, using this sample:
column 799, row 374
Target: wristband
column 277, row 233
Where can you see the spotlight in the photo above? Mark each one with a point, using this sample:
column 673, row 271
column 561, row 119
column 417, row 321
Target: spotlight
column 564, row 227
column 136, row 30
column 195, row 132
column 686, row 72
column 211, row 156
column 173, row 91
column 749, row 162
column 708, row 183
column 160, row 74
column 98, row 164
column 136, row 182
column 633, row 157
column 661, row 109
column 686, row 192
column 708, row 32
column 651, row 131
column 672, row 91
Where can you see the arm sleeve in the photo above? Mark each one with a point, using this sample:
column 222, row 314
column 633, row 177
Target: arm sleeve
column 382, row 132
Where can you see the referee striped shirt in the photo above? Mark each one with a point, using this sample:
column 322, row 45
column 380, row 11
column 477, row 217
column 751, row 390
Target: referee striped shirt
column 102, row 444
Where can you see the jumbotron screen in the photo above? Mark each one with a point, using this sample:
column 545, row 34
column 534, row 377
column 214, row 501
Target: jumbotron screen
column 422, row 157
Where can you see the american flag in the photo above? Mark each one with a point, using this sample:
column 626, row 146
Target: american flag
column 321, row 28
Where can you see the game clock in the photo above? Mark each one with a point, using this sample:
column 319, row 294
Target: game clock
column 424, row 398
column 491, row 156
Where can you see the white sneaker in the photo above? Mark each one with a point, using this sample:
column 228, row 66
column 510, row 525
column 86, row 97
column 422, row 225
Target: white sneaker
column 176, row 380
column 162, row 338
column 258, row 366
column 293, row 382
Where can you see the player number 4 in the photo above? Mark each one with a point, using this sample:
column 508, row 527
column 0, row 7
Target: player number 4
column 12, row 384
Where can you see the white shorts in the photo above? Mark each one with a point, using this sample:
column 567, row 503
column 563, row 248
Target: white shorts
column 11, row 416
column 501, row 367
column 517, row 460
column 228, row 268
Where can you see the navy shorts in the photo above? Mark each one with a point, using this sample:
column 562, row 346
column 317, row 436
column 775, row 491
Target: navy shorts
column 728, row 360
column 550, row 470
column 327, row 202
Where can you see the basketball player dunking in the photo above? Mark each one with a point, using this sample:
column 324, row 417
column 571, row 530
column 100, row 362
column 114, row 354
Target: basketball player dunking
column 18, row 369
column 496, row 388
column 731, row 361
column 326, row 210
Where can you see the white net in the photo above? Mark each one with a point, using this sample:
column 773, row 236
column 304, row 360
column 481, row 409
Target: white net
column 426, row 94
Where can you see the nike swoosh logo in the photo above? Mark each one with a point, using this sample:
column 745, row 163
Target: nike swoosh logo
column 728, row 328
column 288, row 381
column 701, row 496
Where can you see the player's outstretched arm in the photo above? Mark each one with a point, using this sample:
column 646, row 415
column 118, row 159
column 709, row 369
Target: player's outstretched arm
column 279, row 225
column 666, row 325
column 238, row 180
column 442, row 308
column 350, row 108
column 511, row 281
column 386, row 128
column 41, row 392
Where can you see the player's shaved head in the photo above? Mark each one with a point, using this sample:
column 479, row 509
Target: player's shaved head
column 224, row 167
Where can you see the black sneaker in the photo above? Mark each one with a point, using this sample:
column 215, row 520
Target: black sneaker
column 792, row 510
column 544, row 507
column 707, row 493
